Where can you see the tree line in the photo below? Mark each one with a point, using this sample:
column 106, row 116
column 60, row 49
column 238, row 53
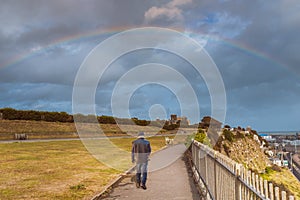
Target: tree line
column 13, row 114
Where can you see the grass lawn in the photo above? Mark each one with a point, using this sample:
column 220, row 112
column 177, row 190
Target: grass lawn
column 57, row 170
column 36, row 129
column 42, row 129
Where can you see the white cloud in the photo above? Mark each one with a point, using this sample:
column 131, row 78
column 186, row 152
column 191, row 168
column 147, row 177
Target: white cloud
column 155, row 12
column 171, row 11
column 175, row 3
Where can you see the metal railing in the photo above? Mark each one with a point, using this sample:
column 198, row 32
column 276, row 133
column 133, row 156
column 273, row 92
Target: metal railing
column 221, row 178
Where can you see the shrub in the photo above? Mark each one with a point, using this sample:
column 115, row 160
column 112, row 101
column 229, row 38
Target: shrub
column 268, row 170
column 170, row 126
column 200, row 130
column 228, row 135
column 227, row 126
column 240, row 135
column 78, row 187
column 200, row 136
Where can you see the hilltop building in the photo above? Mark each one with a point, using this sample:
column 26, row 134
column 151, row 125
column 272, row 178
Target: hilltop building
column 174, row 119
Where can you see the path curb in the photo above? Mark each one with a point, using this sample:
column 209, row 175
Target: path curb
column 112, row 184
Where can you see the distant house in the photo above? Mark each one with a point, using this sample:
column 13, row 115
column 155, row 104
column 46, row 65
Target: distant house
column 277, row 162
column 295, row 142
column 280, row 163
column 267, row 137
column 285, row 163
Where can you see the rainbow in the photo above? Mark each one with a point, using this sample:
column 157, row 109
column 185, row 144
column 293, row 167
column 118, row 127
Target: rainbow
column 77, row 37
column 244, row 48
column 72, row 38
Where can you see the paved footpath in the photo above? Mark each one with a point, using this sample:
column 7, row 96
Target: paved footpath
column 168, row 178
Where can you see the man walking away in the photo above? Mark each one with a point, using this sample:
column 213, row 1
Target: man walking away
column 140, row 152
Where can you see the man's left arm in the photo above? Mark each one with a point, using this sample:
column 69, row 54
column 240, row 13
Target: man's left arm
column 132, row 153
column 149, row 149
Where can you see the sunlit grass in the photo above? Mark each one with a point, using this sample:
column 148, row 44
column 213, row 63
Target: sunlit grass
column 57, row 170
column 286, row 178
column 36, row 129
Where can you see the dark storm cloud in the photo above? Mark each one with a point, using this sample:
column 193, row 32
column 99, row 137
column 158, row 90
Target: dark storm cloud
column 275, row 31
column 263, row 81
column 50, row 66
column 261, row 77
column 270, row 28
column 27, row 25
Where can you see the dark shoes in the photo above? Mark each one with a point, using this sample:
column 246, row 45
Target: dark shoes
column 138, row 185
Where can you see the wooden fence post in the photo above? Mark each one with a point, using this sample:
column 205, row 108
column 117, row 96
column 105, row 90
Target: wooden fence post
column 257, row 183
column 271, row 189
column 283, row 195
column 238, row 188
column 266, row 189
column 277, row 197
column 253, row 180
column 291, row 197
column 261, row 185
column 249, row 178
column 215, row 174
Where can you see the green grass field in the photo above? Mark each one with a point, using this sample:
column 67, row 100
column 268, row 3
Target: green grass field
column 42, row 129
column 36, row 129
column 57, row 170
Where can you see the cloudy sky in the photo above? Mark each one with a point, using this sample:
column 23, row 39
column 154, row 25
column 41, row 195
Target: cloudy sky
column 254, row 44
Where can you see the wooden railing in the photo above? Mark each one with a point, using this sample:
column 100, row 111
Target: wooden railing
column 219, row 177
